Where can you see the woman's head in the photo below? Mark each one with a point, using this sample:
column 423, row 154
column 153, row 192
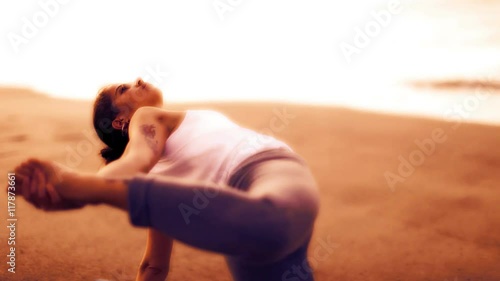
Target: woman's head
column 113, row 108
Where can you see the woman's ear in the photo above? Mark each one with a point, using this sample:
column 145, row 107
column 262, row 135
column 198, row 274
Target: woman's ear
column 118, row 122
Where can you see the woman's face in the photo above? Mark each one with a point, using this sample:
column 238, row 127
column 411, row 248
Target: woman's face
column 131, row 96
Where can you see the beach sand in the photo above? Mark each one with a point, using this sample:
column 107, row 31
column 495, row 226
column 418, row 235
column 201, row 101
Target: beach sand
column 439, row 222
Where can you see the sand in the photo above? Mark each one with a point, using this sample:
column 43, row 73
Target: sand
column 438, row 222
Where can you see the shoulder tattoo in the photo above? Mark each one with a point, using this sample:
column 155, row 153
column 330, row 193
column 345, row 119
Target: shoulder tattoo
column 149, row 133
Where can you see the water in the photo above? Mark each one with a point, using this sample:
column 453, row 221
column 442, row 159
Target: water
column 434, row 41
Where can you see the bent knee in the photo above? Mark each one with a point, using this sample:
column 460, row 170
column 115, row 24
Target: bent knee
column 288, row 227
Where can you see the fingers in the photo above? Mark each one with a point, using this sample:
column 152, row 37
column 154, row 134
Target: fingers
column 53, row 172
column 22, row 175
column 22, row 169
column 23, row 184
column 43, row 195
column 53, row 195
column 46, row 191
column 33, row 180
column 25, row 187
column 40, row 178
column 36, row 183
column 34, row 190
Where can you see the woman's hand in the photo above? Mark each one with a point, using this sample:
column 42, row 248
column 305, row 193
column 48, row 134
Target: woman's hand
column 45, row 185
column 150, row 272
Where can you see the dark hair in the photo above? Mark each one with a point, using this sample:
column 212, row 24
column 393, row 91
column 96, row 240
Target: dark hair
column 104, row 114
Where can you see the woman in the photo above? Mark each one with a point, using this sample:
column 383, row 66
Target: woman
column 210, row 183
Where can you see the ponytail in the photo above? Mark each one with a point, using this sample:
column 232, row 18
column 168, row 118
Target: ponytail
column 111, row 154
column 104, row 114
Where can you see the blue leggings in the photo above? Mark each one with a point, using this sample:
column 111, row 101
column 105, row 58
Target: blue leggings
column 261, row 221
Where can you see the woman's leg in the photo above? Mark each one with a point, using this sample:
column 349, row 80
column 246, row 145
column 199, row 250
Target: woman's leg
column 259, row 175
column 265, row 224
column 293, row 267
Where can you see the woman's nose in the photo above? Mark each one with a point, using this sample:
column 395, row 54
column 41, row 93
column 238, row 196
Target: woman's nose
column 139, row 82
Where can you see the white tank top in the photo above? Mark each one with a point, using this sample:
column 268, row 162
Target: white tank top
column 208, row 146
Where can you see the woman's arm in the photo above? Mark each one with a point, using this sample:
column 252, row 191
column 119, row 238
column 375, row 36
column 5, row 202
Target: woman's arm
column 156, row 261
column 148, row 133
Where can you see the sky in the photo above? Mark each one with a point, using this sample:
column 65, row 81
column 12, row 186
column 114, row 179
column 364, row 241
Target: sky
column 356, row 53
